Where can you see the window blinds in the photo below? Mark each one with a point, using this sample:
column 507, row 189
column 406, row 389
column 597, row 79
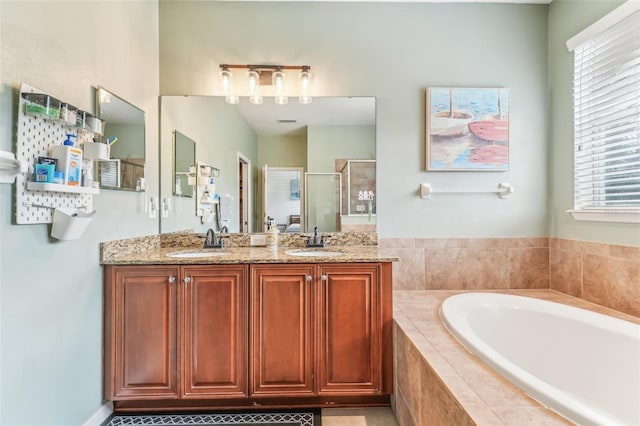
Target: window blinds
column 606, row 97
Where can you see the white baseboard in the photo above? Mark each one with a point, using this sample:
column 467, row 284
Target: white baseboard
column 101, row 414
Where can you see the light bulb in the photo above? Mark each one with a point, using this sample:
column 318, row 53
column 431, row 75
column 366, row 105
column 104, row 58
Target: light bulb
column 226, row 84
column 254, row 87
column 305, row 86
column 278, row 86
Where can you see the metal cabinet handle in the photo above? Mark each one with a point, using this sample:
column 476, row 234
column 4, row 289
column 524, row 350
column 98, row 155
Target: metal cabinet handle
column 172, row 279
column 324, row 278
column 308, row 277
column 187, row 280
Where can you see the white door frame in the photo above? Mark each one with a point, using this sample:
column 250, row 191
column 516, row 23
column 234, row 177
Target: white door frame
column 246, row 188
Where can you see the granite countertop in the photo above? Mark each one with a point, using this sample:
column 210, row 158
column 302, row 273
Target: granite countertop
column 236, row 255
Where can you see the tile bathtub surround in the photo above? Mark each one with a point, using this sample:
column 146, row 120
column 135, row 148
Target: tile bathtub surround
column 605, row 274
column 455, row 387
column 469, row 263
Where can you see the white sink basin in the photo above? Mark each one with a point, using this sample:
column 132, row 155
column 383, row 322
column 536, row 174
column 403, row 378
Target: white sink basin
column 314, row 253
column 195, row 254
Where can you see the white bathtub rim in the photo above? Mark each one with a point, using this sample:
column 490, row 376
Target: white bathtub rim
column 527, row 382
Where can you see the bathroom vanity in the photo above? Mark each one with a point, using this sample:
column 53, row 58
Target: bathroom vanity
column 248, row 328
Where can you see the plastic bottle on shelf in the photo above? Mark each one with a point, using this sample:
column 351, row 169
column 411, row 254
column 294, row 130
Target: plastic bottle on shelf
column 69, row 160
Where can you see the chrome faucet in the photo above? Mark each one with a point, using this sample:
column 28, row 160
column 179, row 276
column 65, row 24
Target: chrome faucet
column 211, row 241
column 318, row 241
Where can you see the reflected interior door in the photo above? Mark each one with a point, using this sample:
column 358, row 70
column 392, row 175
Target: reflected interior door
column 323, row 202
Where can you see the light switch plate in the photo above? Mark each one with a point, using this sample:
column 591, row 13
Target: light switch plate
column 257, row 240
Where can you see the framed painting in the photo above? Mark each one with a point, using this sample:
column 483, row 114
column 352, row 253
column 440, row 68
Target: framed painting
column 294, row 189
column 467, row 129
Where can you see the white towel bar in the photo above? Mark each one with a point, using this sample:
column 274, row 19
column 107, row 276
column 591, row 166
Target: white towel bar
column 504, row 191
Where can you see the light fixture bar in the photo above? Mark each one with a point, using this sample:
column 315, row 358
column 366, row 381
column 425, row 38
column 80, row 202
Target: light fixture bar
column 266, row 75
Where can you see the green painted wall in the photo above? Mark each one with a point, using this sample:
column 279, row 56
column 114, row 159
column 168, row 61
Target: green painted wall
column 328, row 143
column 51, row 291
column 220, row 133
column 393, row 52
column 566, row 19
column 282, row 150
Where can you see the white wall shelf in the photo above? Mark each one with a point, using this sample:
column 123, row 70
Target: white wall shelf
column 56, row 187
column 36, row 201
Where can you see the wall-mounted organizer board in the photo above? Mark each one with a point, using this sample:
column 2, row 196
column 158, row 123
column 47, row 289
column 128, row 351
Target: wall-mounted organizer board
column 35, row 201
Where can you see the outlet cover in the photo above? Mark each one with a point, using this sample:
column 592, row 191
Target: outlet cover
column 257, row 240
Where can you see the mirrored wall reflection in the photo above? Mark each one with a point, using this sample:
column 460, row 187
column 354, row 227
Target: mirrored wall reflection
column 124, row 133
column 240, row 140
column 184, row 161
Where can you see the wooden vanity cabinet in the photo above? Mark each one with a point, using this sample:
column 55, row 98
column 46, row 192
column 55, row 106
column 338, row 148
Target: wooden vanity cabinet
column 214, row 332
column 269, row 335
column 282, row 361
column 351, row 329
column 321, row 330
column 163, row 323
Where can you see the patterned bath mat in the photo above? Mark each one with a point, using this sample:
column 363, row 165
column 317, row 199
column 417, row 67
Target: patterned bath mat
column 218, row 419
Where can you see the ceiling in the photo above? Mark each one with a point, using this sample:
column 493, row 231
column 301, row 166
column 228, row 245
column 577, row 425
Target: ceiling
column 323, row 111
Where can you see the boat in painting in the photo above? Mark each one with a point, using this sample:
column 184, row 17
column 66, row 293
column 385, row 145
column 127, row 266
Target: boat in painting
column 447, row 124
column 490, row 130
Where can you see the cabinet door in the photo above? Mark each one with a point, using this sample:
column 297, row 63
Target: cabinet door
column 281, row 333
column 215, row 331
column 349, row 330
column 140, row 332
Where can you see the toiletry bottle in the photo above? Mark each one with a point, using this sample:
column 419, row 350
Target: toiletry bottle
column 69, row 160
column 272, row 236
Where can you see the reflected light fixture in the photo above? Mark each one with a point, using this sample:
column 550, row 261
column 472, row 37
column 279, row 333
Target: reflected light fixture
column 278, row 87
column 254, row 87
column 259, row 77
column 305, row 86
column 226, row 81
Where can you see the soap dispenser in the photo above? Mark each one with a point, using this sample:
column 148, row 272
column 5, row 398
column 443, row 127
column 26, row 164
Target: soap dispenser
column 69, row 160
column 272, row 235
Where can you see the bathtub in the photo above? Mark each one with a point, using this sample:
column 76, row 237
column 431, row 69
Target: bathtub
column 581, row 364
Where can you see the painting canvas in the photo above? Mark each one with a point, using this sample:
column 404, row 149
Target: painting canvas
column 294, row 189
column 467, row 129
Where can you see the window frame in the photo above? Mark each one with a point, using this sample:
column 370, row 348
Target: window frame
column 611, row 213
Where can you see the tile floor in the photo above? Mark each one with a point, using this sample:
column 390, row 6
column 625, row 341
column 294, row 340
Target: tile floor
column 358, row 417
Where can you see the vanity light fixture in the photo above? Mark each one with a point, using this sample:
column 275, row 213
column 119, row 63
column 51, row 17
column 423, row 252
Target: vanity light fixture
column 259, row 77
column 226, row 81
column 254, row 87
column 278, row 87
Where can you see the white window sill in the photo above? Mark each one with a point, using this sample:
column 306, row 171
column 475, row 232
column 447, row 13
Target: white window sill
column 607, row 215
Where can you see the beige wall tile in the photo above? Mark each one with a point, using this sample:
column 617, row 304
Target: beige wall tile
column 529, row 417
column 565, row 271
column 460, row 269
column 396, row 242
column 584, row 247
column 439, row 407
column 408, row 373
column 436, row 242
column 625, row 252
column 529, row 268
column 612, row 282
column 403, row 415
column 408, row 273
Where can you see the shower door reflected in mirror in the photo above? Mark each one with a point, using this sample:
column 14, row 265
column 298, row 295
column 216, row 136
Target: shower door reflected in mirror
column 184, row 159
column 322, row 201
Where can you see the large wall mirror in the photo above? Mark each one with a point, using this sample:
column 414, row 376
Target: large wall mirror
column 300, row 166
column 124, row 131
